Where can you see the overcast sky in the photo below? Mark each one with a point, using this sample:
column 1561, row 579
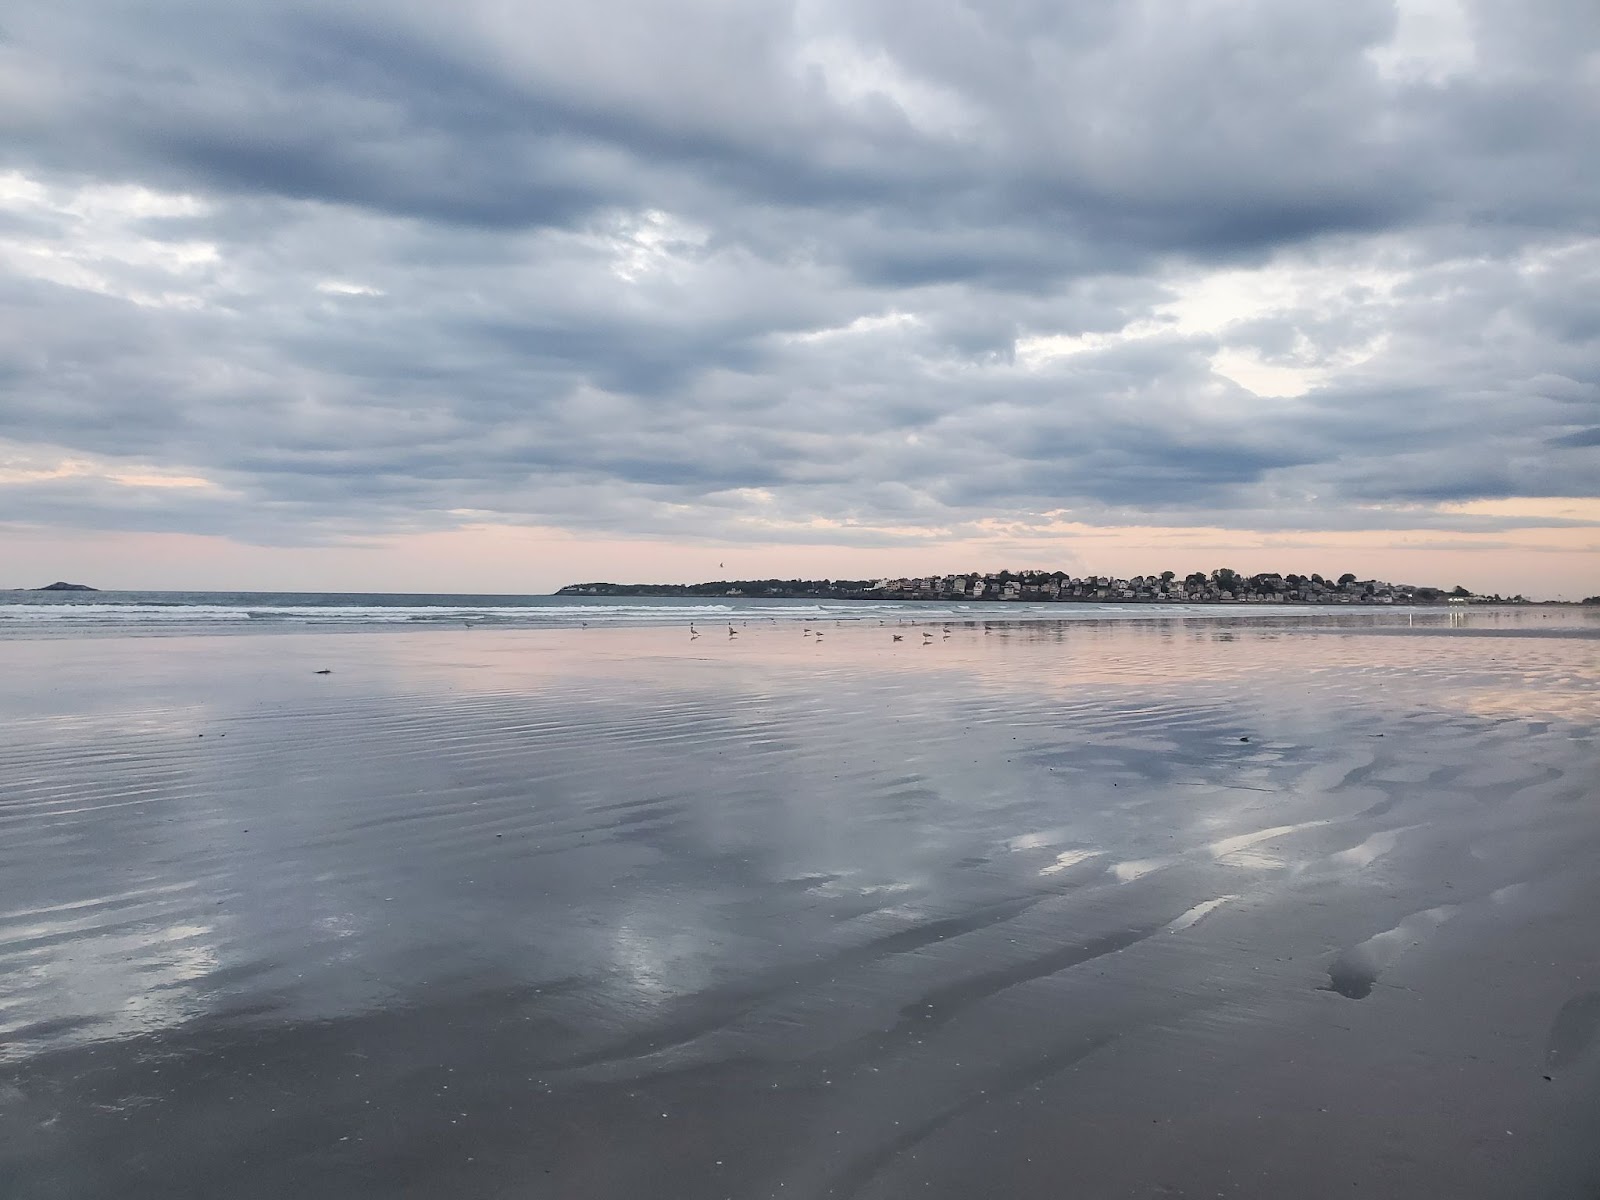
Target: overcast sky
column 500, row 295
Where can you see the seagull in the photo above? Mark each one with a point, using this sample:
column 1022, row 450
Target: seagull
column 732, row 632
column 896, row 637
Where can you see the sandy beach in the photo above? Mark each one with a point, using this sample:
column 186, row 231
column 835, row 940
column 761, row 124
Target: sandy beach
column 1125, row 909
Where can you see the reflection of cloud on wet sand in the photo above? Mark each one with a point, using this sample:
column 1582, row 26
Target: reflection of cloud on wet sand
column 102, row 979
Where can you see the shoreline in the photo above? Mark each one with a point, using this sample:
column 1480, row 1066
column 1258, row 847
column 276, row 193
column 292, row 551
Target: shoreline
column 265, row 615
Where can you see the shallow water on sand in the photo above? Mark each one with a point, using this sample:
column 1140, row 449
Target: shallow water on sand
column 1122, row 909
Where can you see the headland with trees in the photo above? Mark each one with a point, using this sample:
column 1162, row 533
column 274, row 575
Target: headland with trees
column 1221, row 586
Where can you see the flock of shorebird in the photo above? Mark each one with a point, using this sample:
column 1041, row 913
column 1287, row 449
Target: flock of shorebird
column 807, row 631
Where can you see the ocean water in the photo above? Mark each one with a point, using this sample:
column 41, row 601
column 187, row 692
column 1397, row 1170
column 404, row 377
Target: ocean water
column 68, row 614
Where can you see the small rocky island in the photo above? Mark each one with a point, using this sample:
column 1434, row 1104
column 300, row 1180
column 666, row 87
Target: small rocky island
column 58, row 586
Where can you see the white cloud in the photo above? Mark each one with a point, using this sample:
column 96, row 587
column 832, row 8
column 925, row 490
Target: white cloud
column 870, row 324
column 650, row 244
column 1265, row 379
column 860, row 80
column 21, row 464
column 90, row 240
column 340, row 287
column 1432, row 43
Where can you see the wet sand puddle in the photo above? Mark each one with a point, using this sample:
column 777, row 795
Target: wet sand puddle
column 624, row 914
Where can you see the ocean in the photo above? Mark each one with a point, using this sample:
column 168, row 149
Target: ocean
column 57, row 614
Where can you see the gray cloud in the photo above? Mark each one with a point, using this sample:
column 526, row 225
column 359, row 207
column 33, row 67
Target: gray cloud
column 726, row 269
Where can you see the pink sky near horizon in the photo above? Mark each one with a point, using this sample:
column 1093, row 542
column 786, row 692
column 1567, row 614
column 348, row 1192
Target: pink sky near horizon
column 1542, row 563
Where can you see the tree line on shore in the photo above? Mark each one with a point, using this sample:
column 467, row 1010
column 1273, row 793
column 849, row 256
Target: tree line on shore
column 1222, row 585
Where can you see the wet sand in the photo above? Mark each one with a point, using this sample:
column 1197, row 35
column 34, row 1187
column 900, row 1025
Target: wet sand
column 1121, row 910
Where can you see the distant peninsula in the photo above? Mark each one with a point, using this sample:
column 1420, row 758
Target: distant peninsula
column 1221, row 586
column 58, row 586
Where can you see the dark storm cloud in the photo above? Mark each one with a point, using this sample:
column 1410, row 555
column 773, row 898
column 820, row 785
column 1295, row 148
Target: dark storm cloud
column 1584, row 437
column 733, row 269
